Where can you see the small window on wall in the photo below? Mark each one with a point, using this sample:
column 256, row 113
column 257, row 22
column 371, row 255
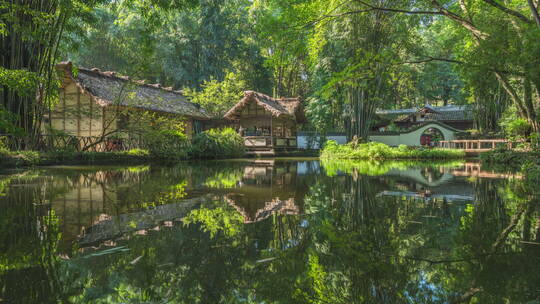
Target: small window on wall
column 123, row 121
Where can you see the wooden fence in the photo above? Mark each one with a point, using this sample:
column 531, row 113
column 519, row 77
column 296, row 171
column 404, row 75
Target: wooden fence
column 476, row 145
column 74, row 143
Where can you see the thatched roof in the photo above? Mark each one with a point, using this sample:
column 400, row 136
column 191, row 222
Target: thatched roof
column 279, row 108
column 108, row 88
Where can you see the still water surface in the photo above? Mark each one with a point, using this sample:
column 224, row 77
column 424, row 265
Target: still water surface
column 268, row 231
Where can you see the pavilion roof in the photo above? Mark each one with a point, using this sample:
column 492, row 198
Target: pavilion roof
column 279, row 107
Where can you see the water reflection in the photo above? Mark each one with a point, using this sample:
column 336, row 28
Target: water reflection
column 272, row 231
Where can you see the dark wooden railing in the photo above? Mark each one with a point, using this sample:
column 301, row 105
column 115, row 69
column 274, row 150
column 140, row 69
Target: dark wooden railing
column 270, row 142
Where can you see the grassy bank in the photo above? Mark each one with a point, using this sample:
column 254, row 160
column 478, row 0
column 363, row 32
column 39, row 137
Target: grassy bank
column 380, row 151
column 210, row 144
column 9, row 159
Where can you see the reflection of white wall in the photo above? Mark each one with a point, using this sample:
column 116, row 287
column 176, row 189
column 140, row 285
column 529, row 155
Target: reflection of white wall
column 412, row 138
column 305, row 167
column 304, row 141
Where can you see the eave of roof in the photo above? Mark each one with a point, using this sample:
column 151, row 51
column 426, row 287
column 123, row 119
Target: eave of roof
column 283, row 107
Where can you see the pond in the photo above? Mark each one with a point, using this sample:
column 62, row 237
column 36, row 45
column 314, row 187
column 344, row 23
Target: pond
column 269, row 231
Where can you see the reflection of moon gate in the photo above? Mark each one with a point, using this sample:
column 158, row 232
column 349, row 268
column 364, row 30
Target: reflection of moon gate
column 417, row 176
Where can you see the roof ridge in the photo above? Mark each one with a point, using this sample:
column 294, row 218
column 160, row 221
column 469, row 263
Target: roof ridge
column 106, row 88
column 115, row 75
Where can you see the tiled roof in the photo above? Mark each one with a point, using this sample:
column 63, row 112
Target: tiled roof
column 447, row 113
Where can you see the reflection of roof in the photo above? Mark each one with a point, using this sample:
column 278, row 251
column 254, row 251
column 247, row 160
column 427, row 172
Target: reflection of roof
column 282, row 107
column 421, row 196
column 430, row 113
column 276, row 205
column 108, row 88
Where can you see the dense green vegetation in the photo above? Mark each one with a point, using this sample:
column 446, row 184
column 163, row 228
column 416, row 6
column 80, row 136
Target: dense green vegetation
column 217, row 143
column 374, row 150
column 346, row 58
column 163, row 146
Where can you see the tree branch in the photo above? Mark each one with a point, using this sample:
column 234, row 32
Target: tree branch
column 534, row 11
column 462, row 21
column 441, row 10
column 431, row 59
column 394, row 10
column 508, row 11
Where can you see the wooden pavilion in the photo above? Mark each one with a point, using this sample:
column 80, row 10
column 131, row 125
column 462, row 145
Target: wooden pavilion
column 267, row 124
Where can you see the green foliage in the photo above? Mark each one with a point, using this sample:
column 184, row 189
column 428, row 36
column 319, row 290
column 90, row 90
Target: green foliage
column 531, row 172
column 176, row 47
column 220, row 219
column 319, row 112
column 138, row 152
column 224, row 179
column 163, row 136
column 18, row 158
column 8, row 123
column 375, row 168
column 506, row 160
column 375, row 150
column 217, row 143
column 215, row 97
column 517, row 128
column 23, row 82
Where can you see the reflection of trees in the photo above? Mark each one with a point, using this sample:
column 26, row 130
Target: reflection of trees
column 29, row 236
column 498, row 264
column 350, row 246
column 367, row 251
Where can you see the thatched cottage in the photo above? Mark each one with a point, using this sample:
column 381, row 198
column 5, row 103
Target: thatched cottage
column 93, row 103
column 266, row 122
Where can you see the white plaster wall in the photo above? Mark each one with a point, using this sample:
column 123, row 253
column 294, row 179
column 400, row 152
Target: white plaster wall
column 303, row 141
column 412, row 138
column 391, row 140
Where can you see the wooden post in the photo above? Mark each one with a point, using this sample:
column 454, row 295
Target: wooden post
column 91, row 117
column 271, row 131
column 64, row 110
column 78, row 113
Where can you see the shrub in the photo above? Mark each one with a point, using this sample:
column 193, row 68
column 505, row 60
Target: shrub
column 518, row 128
column 172, row 144
column 217, row 143
column 375, row 150
column 138, row 152
column 30, row 157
